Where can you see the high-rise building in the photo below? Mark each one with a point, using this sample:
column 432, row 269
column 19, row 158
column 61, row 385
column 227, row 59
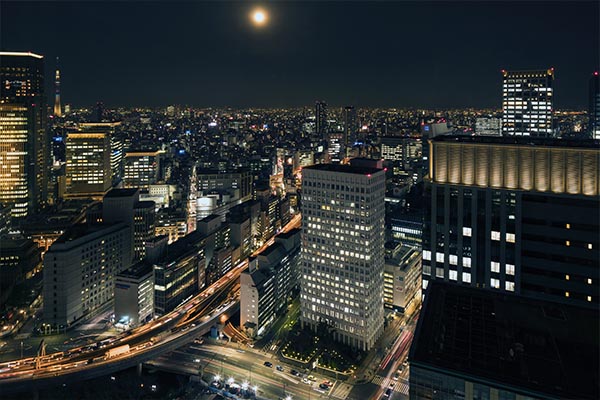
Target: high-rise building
column 594, row 106
column 98, row 112
column 134, row 295
column 321, row 119
column 343, row 252
column 141, row 168
column 124, row 205
column 517, row 215
column 24, row 159
column 476, row 344
column 57, row 107
column 88, row 169
column 350, row 128
column 401, row 277
column 527, row 103
column 79, row 272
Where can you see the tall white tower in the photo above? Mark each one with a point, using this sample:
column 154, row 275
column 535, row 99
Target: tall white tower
column 343, row 223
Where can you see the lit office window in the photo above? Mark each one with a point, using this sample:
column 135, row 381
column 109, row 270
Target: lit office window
column 510, row 237
column 495, row 283
column 466, row 262
column 453, row 259
column 426, row 255
column 510, row 286
column 466, row 277
column 467, row 231
column 510, row 269
column 453, row 275
column 495, row 235
column 495, row 266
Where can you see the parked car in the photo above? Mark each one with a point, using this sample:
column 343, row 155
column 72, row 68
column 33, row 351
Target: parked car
column 279, row 368
column 294, row 372
column 388, row 392
column 324, row 386
column 268, row 364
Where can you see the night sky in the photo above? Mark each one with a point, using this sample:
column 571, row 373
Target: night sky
column 397, row 54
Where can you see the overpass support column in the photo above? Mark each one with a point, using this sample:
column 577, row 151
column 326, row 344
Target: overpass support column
column 139, row 369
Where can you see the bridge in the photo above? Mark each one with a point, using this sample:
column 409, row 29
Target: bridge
column 164, row 334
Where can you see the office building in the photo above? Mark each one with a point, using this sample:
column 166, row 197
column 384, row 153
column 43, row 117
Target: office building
column 179, row 272
column 266, row 287
column 488, row 126
column 237, row 184
column 88, row 167
column 124, row 205
column 516, row 215
column 321, row 119
column 24, row 156
column 350, row 129
column 142, row 168
column 527, row 100
column 134, row 295
column 20, row 259
column 401, row 277
column 57, row 107
column 475, row 344
column 594, row 106
column 79, row 272
column 343, row 252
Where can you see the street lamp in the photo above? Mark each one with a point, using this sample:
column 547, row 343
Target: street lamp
column 217, row 377
column 288, row 397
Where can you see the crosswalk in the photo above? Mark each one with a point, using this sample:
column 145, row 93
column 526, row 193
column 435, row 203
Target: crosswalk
column 341, row 391
column 400, row 387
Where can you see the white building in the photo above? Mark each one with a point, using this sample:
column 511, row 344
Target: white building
column 402, row 276
column 343, row 252
column 79, row 271
column 134, row 295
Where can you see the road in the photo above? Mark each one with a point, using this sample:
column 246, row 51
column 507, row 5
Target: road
column 144, row 341
column 230, row 364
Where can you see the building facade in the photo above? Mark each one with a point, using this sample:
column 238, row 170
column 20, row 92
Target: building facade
column 79, row 272
column 527, row 100
column 594, row 106
column 88, row 168
column 142, row 168
column 343, row 252
column 515, row 215
column 134, row 295
column 401, row 277
column 24, row 148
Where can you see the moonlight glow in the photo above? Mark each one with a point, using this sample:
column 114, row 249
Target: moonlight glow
column 259, row 17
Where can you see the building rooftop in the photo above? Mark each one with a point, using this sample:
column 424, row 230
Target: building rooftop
column 519, row 140
column 121, row 193
column 343, row 168
column 506, row 340
column 137, row 271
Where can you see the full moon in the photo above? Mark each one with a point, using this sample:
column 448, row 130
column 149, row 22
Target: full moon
column 259, row 17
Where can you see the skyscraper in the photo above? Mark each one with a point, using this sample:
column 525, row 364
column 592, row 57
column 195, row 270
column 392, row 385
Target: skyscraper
column 57, row 108
column 350, row 127
column 594, row 107
column 343, row 252
column 321, row 118
column 527, row 103
column 23, row 142
column 142, row 168
column 516, row 215
column 88, row 169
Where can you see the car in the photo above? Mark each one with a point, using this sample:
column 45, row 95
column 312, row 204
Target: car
column 311, row 378
column 328, row 382
column 268, row 364
column 279, row 368
column 324, row 386
column 392, row 384
column 396, row 376
column 388, row 392
column 294, row 372
column 305, row 380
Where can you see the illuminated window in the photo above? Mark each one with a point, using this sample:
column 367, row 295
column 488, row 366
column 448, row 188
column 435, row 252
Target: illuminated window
column 452, row 259
column 466, row 262
column 467, row 231
column 589, row 298
column 510, row 269
column 439, row 257
column 589, row 281
column 510, row 286
column 495, row 266
column 568, row 243
column 466, row 277
column 439, row 272
column 567, row 277
column 589, row 246
column 495, row 283
column 453, row 275
column 510, row 237
column 495, row 235
column 567, row 294
column 426, row 255
column 568, row 226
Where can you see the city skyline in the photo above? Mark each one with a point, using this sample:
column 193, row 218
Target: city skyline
column 379, row 55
